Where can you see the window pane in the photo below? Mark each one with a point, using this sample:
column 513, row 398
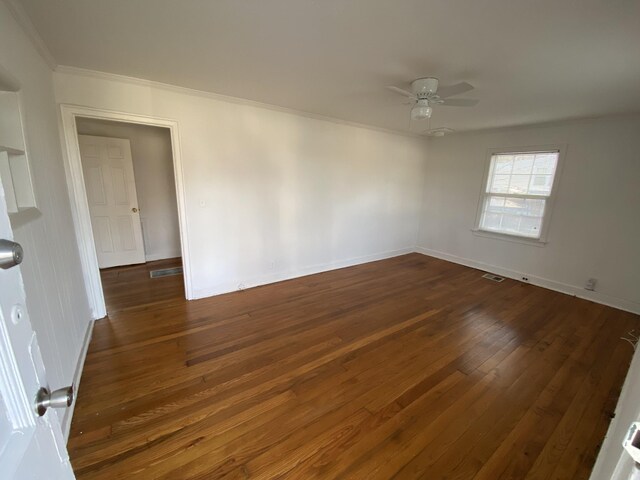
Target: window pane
column 503, row 164
column 500, row 184
column 513, row 216
column 522, row 173
column 510, row 223
column 545, row 163
column 523, row 164
column 496, row 201
column 530, row 226
column 519, row 184
column 492, row 221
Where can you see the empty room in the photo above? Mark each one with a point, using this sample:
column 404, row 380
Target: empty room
column 319, row 239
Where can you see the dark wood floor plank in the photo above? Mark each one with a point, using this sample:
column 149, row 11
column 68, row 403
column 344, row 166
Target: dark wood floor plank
column 410, row 367
column 503, row 431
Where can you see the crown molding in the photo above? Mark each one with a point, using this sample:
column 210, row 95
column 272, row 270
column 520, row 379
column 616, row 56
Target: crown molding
column 546, row 124
column 64, row 69
column 22, row 18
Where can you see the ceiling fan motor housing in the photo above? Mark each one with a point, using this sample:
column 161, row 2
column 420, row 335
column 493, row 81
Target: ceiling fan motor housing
column 423, row 87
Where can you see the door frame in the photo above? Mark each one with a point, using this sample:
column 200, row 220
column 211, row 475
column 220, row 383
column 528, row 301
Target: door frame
column 80, row 205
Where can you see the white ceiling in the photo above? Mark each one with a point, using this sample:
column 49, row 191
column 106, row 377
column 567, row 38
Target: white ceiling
column 530, row 60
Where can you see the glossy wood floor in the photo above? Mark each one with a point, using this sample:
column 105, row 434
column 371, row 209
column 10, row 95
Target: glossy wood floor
column 131, row 286
column 406, row 368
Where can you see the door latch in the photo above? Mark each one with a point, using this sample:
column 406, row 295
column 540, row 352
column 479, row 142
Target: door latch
column 11, row 254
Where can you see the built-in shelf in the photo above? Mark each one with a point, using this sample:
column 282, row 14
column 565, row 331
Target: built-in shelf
column 14, row 165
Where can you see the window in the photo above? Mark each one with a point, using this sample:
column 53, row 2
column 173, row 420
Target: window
column 516, row 197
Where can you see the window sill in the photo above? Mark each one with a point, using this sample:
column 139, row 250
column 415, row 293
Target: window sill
column 535, row 242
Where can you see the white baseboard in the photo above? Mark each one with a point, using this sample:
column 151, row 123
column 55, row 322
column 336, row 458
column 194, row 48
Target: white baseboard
column 68, row 414
column 604, row 299
column 152, row 257
column 301, row 272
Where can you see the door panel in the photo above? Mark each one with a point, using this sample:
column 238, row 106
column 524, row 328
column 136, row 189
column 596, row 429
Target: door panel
column 31, row 447
column 119, row 183
column 102, row 234
column 127, row 236
column 111, row 194
column 95, row 185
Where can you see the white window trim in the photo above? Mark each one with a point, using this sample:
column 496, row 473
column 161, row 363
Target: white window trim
column 550, row 201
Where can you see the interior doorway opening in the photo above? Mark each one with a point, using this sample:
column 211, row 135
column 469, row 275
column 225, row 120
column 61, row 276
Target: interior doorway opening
column 131, row 195
column 124, row 173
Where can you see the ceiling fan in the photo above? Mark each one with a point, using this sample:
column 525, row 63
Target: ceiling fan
column 425, row 94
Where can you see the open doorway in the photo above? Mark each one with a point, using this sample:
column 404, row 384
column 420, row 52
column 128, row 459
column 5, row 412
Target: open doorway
column 130, row 186
column 125, row 183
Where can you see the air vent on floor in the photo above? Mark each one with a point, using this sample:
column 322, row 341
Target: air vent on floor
column 491, row 276
column 165, row 272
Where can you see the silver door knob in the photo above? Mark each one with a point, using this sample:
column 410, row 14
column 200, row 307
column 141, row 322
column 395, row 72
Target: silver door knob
column 61, row 398
column 11, row 254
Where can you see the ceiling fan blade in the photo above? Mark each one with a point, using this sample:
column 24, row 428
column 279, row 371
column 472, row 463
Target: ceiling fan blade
column 401, row 91
column 460, row 102
column 457, row 89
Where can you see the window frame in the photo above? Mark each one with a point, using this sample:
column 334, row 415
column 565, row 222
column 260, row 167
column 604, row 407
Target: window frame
column 550, row 200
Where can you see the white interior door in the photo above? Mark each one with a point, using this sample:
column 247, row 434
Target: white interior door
column 113, row 203
column 31, row 446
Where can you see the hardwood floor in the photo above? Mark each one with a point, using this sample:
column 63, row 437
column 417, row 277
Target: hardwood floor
column 131, row 286
column 405, row 368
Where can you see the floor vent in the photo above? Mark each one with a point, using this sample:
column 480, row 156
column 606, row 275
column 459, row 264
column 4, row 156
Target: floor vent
column 165, row 272
column 491, row 276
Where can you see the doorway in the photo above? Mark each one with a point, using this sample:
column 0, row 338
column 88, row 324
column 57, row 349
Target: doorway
column 152, row 225
column 130, row 185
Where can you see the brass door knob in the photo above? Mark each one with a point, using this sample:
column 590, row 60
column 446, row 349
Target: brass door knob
column 134, row 210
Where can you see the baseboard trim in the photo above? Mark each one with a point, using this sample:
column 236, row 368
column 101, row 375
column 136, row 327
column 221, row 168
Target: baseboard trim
column 68, row 414
column 233, row 286
column 161, row 256
column 604, row 299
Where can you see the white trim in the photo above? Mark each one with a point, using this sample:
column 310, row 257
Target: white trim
column 161, row 256
column 64, row 69
column 598, row 297
column 68, row 414
column 227, row 287
column 540, row 124
column 22, row 19
column 78, row 196
column 550, row 200
column 534, row 242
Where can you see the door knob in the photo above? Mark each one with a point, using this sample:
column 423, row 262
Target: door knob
column 134, row 210
column 61, row 398
column 11, row 254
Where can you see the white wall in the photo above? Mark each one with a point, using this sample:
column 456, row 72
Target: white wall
column 271, row 194
column 595, row 226
column 155, row 184
column 56, row 296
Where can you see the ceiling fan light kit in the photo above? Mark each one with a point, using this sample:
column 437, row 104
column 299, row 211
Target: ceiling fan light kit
column 421, row 110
